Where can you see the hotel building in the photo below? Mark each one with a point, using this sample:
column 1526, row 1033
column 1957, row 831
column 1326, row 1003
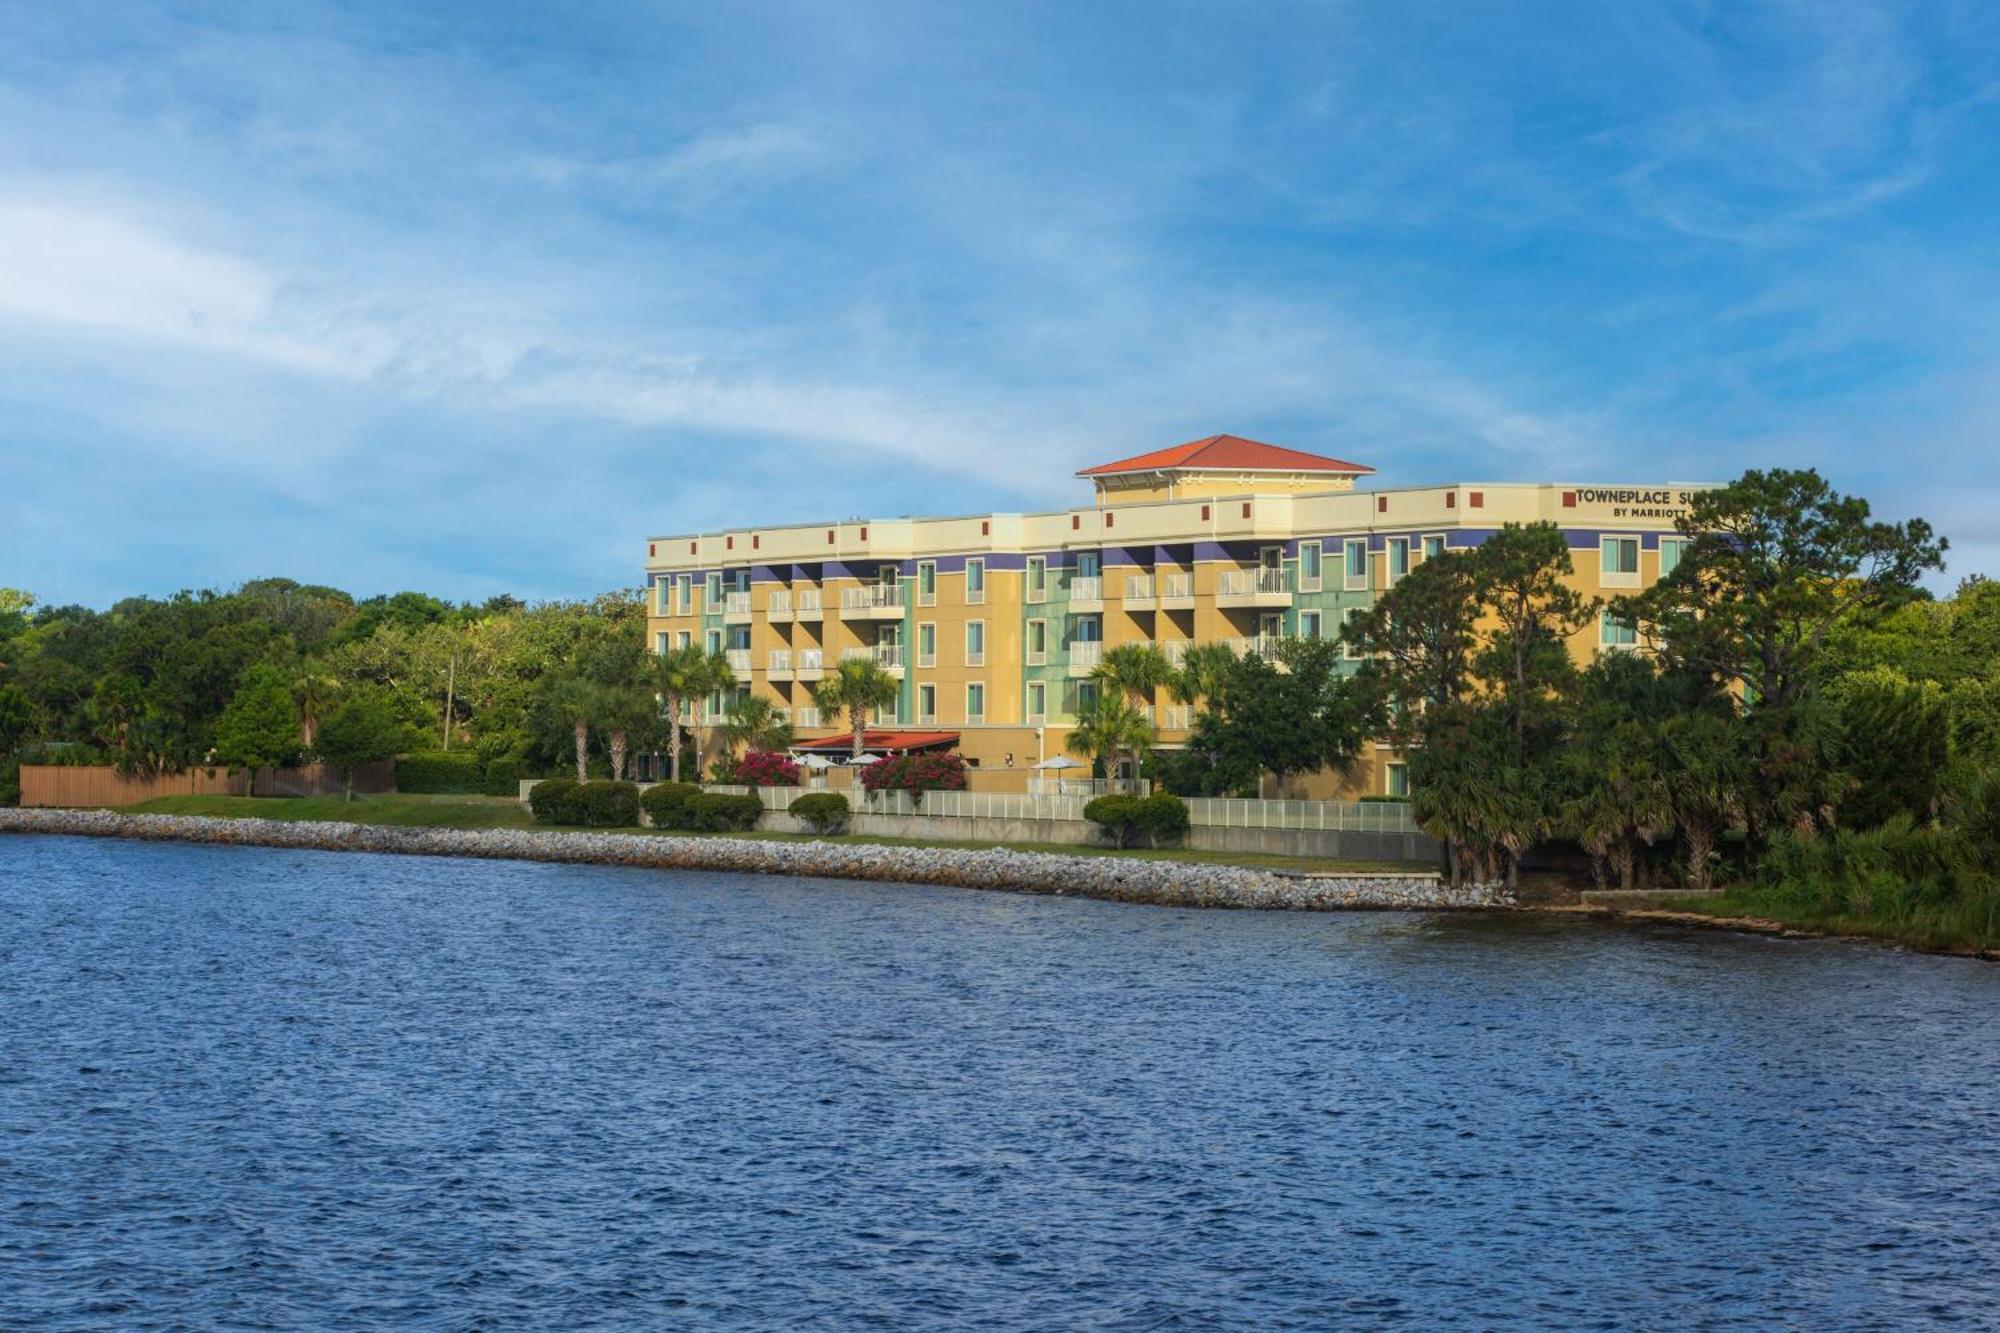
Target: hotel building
column 994, row 623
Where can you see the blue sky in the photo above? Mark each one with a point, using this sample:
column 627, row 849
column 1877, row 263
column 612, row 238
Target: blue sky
column 475, row 297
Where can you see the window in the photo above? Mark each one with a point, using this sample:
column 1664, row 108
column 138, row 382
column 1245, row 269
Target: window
column 1433, row 546
column 1348, row 648
column 926, row 703
column 714, row 592
column 975, row 582
column 1308, row 624
column 1038, row 642
column 1038, row 579
column 1309, row 571
column 1357, row 563
column 684, row 639
column 975, row 643
column 1086, row 697
column 1038, row 701
column 663, row 588
column 926, row 643
column 926, row 583
column 1086, row 565
column 660, row 643
column 975, row 702
column 1671, row 551
column 1617, row 632
column 1619, row 561
column 715, row 641
column 685, row 592
column 1396, row 779
column 1399, row 557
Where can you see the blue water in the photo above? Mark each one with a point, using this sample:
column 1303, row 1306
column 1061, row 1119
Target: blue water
column 264, row 1089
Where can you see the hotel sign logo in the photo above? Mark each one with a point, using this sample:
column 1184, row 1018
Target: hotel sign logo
column 1630, row 502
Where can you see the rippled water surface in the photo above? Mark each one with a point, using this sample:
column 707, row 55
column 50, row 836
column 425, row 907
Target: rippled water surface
column 269, row 1089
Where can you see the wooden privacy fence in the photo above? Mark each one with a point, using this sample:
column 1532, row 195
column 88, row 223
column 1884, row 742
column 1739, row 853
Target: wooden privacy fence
column 101, row 784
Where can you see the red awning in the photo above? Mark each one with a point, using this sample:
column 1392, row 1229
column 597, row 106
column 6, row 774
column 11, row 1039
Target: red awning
column 891, row 742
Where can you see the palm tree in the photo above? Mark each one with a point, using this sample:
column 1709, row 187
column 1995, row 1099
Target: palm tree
column 576, row 702
column 755, row 723
column 1111, row 731
column 680, row 675
column 1136, row 670
column 856, row 687
column 1202, row 672
column 314, row 691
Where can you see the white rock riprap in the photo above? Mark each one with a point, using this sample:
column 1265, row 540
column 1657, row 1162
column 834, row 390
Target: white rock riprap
column 1123, row 879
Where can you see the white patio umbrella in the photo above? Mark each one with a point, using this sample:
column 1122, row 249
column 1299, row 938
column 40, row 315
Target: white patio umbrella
column 818, row 761
column 1060, row 761
column 865, row 760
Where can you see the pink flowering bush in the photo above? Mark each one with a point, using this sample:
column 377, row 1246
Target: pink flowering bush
column 916, row 774
column 766, row 768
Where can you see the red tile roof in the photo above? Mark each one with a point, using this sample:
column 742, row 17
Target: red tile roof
column 873, row 739
column 1226, row 453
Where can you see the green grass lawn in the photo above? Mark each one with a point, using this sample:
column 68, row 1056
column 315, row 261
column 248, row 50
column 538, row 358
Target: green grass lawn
column 477, row 812
column 1956, row 928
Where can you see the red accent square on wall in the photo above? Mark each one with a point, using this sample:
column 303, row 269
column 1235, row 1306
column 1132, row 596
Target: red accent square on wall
column 1569, row 499
column 985, row 527
column 829, row 536
column 1110, row 519
column 864, row 534
column 1075, row 522
column 1451, row 499
column 1381, row 504
column 1477, row 499
column 651, row 549
column 756, row 542
column 691, row 548
column 1246, row 509
column 1204, row 513
column 728, row 543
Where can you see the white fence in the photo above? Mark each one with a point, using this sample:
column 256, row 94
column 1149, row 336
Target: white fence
column 1213, row 812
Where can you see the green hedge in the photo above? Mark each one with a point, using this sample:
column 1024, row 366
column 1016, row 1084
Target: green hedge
column 589, row 805
column 665, row 803
column 822, row 811
column 454, row 773
column 503, row 777
column 718, row 813
column 1161, row 817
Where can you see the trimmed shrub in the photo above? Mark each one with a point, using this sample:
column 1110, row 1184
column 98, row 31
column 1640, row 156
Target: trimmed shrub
column 1163, row 818
column 822, row 811
column 608, row 804
column 719, row 812
column 503, row 777
column 442, row 773
column 554, row 801
column 666, row 803
column 916, row 774
column 1118, row 816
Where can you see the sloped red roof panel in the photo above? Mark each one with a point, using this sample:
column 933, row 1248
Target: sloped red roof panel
column 874, row 739
column 1224, row 453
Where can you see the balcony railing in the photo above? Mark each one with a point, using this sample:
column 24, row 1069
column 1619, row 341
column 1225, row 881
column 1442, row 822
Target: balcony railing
column 779, row 605
column 1084, row 656
column 1138, row 591
column 736, row 606
column 1176, row 717
column 874, row 597
column 1257, row 645
column 805, row 604
column 1248, row 584
column 889, row 655
column 1175, row 651
column 739, row 660
column 808, row 663
column 1086, row 588
column 780, row 662
column 1177, row 590
column 806, row 717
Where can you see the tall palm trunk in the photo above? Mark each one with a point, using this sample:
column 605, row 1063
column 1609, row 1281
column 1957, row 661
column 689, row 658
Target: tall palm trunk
column 859, row 717
column 582, row 750
column 674, row 736
column 618, row 755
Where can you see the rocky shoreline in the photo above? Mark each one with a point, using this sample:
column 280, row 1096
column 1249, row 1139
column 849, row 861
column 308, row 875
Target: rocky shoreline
column 1120, row 879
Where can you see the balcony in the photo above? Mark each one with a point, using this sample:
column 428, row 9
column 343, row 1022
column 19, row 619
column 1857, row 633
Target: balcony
column 1139, row 594
column 1084, row 656
column 876, row 601
column 1086, row 593
column 1253, row 587
column 739, row 661
column 1177, row 717
column 805, row 604
column 1175, row 651
column 778, row 610
column 806, row 717
column 888, row 656
column 780, row 667
column 808, row 664
column 1176, row 592
column 1256, row 645
column 736, row 608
